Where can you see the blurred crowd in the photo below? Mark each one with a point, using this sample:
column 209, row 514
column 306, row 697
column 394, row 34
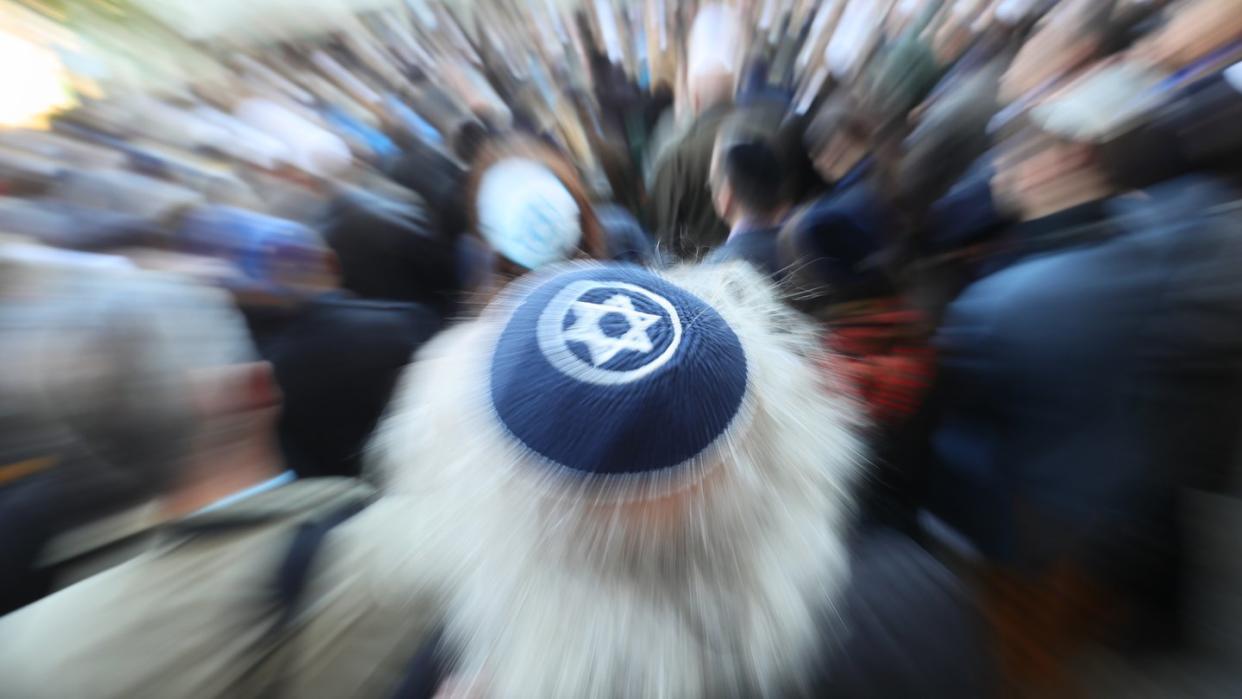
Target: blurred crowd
column 635, row 348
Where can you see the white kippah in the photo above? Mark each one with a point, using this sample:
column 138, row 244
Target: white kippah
column 527, row 214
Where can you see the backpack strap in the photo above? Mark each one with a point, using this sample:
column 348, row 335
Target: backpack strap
column 287, row 590
column 295, row 569
column 426, row 671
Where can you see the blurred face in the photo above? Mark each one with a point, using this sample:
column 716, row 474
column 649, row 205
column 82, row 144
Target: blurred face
column 839, row 156
column 1033, row 175
column 1051, row 53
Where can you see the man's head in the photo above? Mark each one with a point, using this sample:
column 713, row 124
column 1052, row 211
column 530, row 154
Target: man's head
column 748, row 175
column 147, row 373
column 1055, row 163
column 606, row 446
column 273, row 260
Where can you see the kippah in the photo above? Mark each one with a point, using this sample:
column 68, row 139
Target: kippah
column 527, row 214
column 612, row 371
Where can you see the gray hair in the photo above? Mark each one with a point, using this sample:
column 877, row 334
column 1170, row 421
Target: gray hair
column 106, row 354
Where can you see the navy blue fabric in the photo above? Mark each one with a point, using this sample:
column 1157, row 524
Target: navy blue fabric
column 755, row 245
column 836, row 240
column 616, row 423
column 336, row 361
column 627, row 241
column 1074, row 379
column 967, row 214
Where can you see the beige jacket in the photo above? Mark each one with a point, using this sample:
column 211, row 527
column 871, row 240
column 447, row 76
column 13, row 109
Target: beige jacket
column 192, row 615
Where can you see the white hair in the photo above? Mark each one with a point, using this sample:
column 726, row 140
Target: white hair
column 108, row 355
column 548, row 593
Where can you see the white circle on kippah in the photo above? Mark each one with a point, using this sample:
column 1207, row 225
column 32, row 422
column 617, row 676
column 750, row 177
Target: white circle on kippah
column 527, row 214
column 554, row 338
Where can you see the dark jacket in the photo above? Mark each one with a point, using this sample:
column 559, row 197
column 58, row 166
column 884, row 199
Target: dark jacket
column 627, row 241
column 1083, row 385
column 438, row 180
column 391, row 250
column 681, row 210
column 336, row 362
column 833, row 245
column 754, row 245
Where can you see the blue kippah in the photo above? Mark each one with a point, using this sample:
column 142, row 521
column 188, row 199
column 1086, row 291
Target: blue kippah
column 613, row 371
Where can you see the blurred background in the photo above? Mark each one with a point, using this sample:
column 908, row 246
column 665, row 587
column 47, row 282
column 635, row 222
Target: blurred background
column 1017, row 223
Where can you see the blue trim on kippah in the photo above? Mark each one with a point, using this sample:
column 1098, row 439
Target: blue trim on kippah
column 615, row 371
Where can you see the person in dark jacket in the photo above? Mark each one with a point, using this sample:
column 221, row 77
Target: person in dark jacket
column 391, row 250
column 437, row 179
column 621, row 482
column 681, row 210
column 337, row 360
column 1084, row 381
column 335, row 355
column 834, row 244
column 627, row 241
column 748, row 186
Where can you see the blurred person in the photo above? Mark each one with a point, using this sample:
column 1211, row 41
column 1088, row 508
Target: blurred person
column 1073, row 34
column 903, row 71
column 1193, row 31
column 681, row 211
column 627, row 241
column 360, row 610
column 310, row 147
column 748, row 180
column 337, row 360
column 51, row 483
column 840, row 138
column 335, row 356
column 1068, row 381
column 157, row 377
column 1184, row 129
column 390, row 248
column 594, row 530
column 126, row 192
column 437, row 178
column 834, row 243
column 57, row 223
column 63, row 149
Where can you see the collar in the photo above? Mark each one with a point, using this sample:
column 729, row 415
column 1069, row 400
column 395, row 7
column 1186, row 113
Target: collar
column 745, row 227
column 230, row 500
column 1066, row 220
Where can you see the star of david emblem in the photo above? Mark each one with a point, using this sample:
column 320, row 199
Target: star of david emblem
column 588, row 328
column 587, row 312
